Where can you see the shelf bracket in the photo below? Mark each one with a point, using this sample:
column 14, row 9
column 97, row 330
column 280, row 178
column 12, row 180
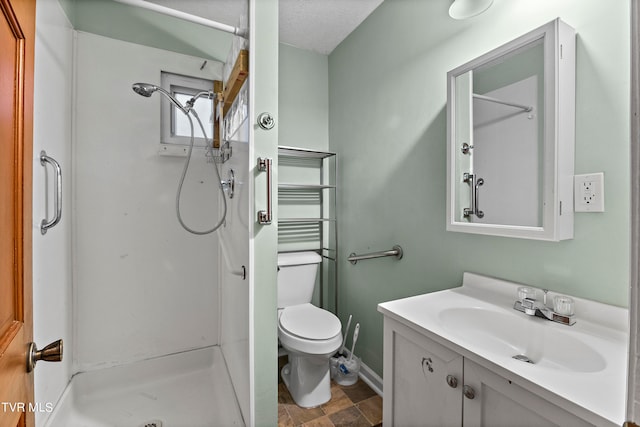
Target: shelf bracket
column 236, row 79
column 218, row 87
column 227, row 93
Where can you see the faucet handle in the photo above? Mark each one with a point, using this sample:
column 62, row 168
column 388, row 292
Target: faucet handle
column 529, row 306
column 564, row 305
column 526, row 292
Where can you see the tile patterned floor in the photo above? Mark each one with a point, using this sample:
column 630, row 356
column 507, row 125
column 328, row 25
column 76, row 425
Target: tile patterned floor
column 353, row 406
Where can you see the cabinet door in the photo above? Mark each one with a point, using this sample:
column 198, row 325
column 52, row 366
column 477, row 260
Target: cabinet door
column 420, row 395
column 500, row 403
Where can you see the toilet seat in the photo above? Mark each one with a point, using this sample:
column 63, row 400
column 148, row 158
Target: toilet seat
column 310, row 322
column 308, row 329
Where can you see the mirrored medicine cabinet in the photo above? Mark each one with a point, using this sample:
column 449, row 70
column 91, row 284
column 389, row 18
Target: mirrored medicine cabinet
column 510, row 137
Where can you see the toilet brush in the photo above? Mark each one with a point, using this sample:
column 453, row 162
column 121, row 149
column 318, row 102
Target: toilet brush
column 355, row 339
column 346, row 332
column 347, row 373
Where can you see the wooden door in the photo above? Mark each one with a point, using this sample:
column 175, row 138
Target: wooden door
column 17, row 37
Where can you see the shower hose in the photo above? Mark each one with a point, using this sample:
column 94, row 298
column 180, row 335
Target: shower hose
column 184, row 174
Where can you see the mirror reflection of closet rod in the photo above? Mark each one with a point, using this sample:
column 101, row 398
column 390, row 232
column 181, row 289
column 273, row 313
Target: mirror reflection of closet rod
column 526, row 108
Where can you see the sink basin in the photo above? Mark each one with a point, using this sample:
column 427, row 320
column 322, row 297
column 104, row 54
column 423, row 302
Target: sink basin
column 584, row 365
column 515, row 334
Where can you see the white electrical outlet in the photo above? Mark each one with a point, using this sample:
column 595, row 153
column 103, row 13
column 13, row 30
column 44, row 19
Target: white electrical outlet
column 589, row 192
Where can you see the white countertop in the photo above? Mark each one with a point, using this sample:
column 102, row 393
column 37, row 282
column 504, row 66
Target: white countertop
column 590, row 383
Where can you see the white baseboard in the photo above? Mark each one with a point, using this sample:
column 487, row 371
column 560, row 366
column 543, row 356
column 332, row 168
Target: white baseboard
column 372, row 379
column 369, row 376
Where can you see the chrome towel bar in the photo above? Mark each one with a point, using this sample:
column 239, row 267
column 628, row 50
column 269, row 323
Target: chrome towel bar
column 396, row 251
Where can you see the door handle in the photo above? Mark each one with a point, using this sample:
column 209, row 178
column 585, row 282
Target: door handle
column 265, row 217
column 57, row 192
column 51, row 353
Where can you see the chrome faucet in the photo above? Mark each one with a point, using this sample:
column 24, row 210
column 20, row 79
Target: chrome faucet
column 531, row 307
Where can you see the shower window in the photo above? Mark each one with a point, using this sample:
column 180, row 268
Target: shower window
column 175, row 125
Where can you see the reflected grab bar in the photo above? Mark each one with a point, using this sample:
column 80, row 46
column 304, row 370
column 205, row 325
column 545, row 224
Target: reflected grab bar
column 264, row 165
column 57, row 192
column 396, row 251
column 474, row 183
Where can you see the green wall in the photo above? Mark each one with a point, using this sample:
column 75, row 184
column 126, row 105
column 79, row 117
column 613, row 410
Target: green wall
column 387, row 116
column 69, row 9
column 132, row 24
column 303, row 96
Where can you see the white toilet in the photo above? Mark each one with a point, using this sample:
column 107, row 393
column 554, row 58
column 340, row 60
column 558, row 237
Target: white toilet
column 310, row 334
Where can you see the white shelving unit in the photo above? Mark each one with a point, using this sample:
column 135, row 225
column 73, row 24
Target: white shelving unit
column 307, row 212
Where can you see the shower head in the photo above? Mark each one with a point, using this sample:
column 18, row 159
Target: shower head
column 147, row 89
column 144, row 89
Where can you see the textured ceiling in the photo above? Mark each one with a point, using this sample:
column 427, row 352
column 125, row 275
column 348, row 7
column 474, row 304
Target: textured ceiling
column 316, row 25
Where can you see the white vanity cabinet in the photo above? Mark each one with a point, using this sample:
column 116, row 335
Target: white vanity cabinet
column 465, row 357
column 499, row 401
column 429, row 384
column 415, row 380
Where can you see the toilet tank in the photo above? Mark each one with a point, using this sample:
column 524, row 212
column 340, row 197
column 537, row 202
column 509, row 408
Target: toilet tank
column 297, row 273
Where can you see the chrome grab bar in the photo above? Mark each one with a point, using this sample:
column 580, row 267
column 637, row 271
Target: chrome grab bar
column 396, row 251
column 474, row 184
column 478, row 212
column 265, row 217
column 57, row 192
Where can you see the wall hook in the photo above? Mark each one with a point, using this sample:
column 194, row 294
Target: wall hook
column 266, row 121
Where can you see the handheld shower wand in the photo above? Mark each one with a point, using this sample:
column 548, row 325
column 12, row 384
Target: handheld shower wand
column 146, row 90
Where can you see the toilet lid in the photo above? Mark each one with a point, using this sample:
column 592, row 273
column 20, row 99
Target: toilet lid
column 310, row 322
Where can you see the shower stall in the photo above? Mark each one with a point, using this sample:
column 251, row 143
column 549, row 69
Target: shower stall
column 161, row 326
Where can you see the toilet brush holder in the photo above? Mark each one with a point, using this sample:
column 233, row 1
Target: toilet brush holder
column 347, row 370
column 333, row 367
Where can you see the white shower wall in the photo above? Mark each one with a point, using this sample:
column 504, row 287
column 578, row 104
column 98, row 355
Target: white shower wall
column 234, row 310
column 52, row 252
column 143, row 286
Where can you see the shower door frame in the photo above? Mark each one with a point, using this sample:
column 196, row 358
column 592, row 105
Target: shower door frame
column 263, row 97
column 633, row 396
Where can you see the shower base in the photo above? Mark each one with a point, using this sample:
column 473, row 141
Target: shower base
column 186, row 389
